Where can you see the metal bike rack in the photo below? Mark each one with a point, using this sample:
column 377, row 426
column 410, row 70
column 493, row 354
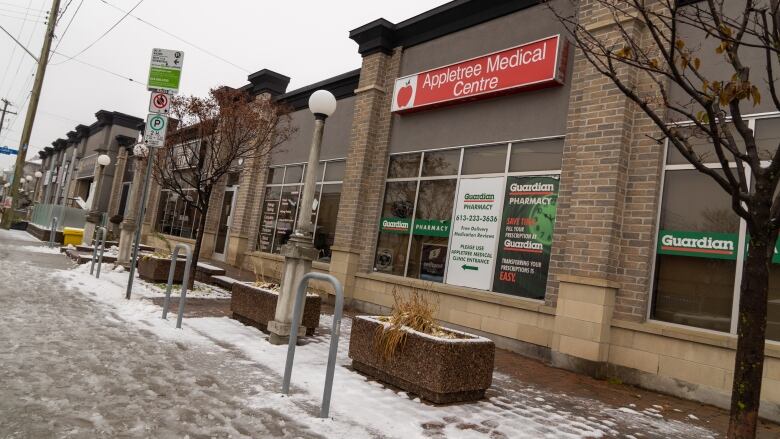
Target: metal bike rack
column 102, row 243
column 300, row 299
column 185, row 282
column 52, row 231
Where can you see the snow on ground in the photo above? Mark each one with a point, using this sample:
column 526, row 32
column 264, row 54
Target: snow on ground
column 365, row 408
column 39, row 249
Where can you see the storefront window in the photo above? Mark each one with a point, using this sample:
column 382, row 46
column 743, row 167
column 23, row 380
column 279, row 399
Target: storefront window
column 404, row 166
column 767, row 140
column 697, row 253
column 537, row 155
column 176, row 217
column 441, row 163
column 441, row 220
column 281, row 203
column 431, row 230
column 697, row 266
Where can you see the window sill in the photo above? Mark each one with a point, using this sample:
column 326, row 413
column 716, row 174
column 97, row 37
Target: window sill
column 696, row 335
column 467, row 293
column 322, row 266
column 178, row 239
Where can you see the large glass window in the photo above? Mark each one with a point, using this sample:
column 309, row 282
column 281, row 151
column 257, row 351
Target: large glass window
column 419, row 209
column 177, row 216
column 697, row 252
column 698, row 256
column 281, row 203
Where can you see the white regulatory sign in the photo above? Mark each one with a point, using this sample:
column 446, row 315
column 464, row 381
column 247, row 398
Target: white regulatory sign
column 159, row 103
column 475, row 232
column 154, row 134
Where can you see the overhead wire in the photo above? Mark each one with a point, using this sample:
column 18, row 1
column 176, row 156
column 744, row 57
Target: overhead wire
column 13, row 53
column 27, row 45
column 102, row 35
column 119, row 75
column 72, row 17
column 152, row 25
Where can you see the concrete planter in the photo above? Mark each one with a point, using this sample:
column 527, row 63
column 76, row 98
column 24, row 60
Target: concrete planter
column 155, row 270
column 439, row 370
column 256, row 307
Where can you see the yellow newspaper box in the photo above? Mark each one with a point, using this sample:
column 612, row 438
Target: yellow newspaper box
column 72, row 235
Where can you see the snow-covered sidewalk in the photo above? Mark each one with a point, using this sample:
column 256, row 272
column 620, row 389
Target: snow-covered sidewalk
column 80, row 361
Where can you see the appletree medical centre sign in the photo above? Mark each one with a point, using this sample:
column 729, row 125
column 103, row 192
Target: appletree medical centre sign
column 536, row 64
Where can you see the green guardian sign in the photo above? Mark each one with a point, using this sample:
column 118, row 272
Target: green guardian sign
column 712, row 245
column 526, row 236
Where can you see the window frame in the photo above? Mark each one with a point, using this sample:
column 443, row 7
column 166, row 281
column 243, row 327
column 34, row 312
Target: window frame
column 459, row 176
column 320, row 182
column 741, row 244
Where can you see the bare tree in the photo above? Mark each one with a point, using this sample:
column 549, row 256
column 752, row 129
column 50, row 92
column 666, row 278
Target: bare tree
column 212, row 135
column 648, row 52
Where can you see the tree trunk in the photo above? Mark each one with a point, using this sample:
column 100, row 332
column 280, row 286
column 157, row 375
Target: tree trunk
column 751, row 333
column 198, row 244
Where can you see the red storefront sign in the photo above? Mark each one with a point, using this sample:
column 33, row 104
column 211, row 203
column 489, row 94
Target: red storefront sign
column 537, row 64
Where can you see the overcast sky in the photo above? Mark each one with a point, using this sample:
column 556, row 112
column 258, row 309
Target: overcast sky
column 303, row 39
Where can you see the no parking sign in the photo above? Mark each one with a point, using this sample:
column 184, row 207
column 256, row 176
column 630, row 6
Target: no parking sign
column 159, row 103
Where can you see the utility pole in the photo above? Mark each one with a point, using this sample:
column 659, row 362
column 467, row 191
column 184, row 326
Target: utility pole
column 29, row 120
column 5, row 110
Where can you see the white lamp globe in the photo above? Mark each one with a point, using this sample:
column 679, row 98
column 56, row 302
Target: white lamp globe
column 28, row 178
column 140, row 150
column 322, row 102
column 103, row 160
column 38, row 174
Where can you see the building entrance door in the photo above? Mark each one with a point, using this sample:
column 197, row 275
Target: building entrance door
column 225, row 222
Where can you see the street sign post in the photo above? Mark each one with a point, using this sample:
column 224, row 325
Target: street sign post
column 159, row 102
column 154, row 134
column 165, row 70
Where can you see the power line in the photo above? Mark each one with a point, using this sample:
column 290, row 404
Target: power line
column 62, row 36
column 118, row 75
column 22, row 7
column 103, row 35
column 26, row 13
column 177, row 37
column 13, row 51
column 22, row 18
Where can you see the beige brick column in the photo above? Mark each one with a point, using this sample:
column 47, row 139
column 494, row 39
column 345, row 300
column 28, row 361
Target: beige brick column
column 609, row 182
column 583, row 317
column 366, row 168
column 249, row 203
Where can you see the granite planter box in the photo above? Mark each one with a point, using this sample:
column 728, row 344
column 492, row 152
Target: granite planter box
column 155, row 270
column 439, row 370
column 256, row 307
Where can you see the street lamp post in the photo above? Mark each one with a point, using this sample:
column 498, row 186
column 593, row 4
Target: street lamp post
column 299, row 252
column 93, row 218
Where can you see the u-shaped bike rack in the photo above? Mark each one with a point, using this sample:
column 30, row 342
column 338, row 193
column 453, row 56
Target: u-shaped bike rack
column 300, row 299
column 185, row 282
column 101, row 231
column 52, row 231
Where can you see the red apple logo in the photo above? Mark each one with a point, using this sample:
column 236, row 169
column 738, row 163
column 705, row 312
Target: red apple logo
column 404, row 94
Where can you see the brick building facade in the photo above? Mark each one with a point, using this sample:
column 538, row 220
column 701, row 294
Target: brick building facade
column 607, row 301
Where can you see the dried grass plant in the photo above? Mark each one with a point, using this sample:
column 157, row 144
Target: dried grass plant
column 413, row 311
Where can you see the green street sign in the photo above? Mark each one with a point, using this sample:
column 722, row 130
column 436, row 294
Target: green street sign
column 165, row 70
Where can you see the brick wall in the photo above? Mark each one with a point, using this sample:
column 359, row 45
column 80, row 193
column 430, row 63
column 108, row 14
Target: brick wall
column 367, row 159
column 610, row 181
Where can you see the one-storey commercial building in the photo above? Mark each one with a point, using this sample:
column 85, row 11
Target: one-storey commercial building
column 479, row 158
